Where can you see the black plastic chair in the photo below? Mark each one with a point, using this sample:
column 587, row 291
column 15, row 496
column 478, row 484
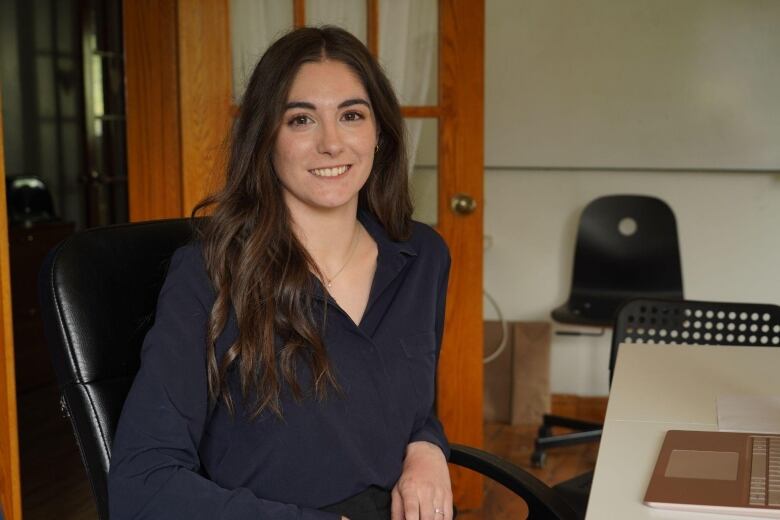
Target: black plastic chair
column 690, row 322
column 626, row 248
column 98, row 293
column 685, row 322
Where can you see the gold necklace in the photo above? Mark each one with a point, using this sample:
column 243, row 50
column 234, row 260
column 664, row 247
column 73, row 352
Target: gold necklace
column 329, row 280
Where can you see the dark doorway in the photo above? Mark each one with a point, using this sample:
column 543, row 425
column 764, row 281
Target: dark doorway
column 63, row 110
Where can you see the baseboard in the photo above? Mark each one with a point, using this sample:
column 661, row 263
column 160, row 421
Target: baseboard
column 586, row 408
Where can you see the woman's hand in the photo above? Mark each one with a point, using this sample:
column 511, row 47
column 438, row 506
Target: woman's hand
column 424, row 491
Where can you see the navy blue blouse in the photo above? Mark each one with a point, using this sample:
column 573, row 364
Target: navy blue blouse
column 174, row 458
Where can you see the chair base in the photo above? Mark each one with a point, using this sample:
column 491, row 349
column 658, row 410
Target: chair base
column 590, row 432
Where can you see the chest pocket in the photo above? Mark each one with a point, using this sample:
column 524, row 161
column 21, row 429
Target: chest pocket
column 420, row 353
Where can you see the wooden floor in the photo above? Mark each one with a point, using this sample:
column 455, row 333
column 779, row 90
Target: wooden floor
column 54, row 484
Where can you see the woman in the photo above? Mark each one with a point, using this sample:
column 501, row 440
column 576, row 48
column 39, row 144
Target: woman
column 290, row 369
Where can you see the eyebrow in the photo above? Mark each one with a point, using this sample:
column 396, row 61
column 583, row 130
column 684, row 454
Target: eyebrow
column 343, row 104
column 354, row 101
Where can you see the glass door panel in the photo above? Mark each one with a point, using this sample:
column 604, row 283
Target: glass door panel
column 254, row 24
column 422, row 136
column 105, row 175
column 410, row 61
column 347, row 14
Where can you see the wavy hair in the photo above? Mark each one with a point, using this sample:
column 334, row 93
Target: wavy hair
column 259, row 269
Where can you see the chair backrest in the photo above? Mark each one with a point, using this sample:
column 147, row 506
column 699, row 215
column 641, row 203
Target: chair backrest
column 688, row 322
column 98, row 292
column 626, row 248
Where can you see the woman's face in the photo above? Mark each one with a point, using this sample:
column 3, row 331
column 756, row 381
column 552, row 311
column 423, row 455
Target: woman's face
column 325, row 146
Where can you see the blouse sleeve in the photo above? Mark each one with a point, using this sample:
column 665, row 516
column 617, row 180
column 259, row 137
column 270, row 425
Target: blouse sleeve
column 431, row 429
column 155, row 467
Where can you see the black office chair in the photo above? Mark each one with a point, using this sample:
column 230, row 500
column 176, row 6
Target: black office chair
column 626, row 248
column 98, row 293
column 685, row 322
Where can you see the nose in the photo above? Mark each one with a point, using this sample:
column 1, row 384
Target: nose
column 330, row 141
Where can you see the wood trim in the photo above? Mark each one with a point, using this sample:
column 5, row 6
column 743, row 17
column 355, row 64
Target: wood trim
column 420, row 111
column 205, row 96
column 299, row 13
column 461, row 150
column 179, row 103
column 584, row 408
column 10, row 484
column 152, row 94
column 372, row 26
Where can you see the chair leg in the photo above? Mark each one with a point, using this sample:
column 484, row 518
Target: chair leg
column 538, row 458
column 549, row 421
column 544, row 442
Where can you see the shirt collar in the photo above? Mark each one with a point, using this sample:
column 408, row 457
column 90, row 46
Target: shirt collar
column 392, row 257
column 384, row 243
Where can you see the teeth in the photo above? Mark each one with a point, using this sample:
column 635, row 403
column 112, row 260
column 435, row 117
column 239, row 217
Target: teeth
column 330, row 172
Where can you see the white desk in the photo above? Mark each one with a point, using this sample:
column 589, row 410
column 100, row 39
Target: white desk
column 666, row 387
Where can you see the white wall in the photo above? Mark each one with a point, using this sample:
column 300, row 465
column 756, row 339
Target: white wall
column 633, row 83
column 729, row 231
column 728, row 221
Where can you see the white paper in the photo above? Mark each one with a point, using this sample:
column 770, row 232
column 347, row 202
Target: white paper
column 749, row 413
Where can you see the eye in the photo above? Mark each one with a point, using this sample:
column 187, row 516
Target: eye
column 299, row 120
column 352, row 115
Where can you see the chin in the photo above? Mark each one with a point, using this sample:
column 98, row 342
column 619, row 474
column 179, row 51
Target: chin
column 333, row 206
column 331, row 203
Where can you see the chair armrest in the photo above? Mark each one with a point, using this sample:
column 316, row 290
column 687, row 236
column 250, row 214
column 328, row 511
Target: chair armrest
column 542, row 500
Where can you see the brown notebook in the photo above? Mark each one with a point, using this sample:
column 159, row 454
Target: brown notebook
column 718, row 472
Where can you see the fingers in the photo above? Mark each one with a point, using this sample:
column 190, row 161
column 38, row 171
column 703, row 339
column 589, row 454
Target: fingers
column 411, row 506
column 415, row 503
column 442, row 506
column 426, row 505
column 406, row 503
column 424, row 491
column 447, row 508
column 396, row 505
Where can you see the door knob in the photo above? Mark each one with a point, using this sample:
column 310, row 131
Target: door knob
column 463, row 204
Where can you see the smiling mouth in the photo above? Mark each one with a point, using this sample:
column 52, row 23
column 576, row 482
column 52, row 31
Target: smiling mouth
column 331, row 172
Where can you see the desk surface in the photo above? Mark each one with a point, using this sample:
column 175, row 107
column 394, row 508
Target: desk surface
column 657, row 388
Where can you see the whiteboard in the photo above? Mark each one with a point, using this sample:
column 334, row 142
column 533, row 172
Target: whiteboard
column 667, row 84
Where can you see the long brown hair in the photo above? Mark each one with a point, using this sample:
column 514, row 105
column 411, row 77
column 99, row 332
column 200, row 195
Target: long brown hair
column 258, row 267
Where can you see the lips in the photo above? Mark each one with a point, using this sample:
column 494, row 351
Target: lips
column 333, row 171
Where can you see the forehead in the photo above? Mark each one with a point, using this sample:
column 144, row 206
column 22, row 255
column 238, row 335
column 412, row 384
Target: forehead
column 326, row 81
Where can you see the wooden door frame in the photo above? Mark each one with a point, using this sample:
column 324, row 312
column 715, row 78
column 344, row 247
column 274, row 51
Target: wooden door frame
column 461, row 162
column 10, row 476
column 178, row 99
column 152, row 109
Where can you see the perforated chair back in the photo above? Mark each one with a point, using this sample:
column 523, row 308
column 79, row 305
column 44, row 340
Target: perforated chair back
column 98, row 292
column 689, row 322
column 626, row 248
